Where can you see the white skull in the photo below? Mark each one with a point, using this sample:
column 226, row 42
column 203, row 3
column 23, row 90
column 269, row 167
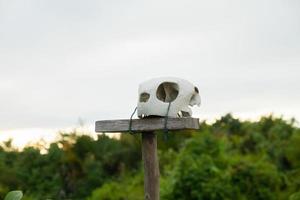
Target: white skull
column 156, row 94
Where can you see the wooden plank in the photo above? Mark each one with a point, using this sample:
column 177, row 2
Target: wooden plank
column 146, row 124
column 151, row 169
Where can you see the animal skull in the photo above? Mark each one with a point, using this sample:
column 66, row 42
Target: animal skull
column 155, row 96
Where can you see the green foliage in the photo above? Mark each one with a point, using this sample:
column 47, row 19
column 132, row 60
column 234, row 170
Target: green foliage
column 199, row 172
column 14, row 195
column 230, row 159
column 234, row 160
column 130, row 187
column 295, row 196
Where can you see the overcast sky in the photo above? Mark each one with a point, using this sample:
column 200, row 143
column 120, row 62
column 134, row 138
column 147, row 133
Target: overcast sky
column 65, row 60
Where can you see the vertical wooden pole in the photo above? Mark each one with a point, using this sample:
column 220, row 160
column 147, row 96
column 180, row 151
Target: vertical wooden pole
column 151, row 167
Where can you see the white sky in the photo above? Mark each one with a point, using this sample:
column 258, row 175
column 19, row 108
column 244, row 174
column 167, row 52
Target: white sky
column 65, row 60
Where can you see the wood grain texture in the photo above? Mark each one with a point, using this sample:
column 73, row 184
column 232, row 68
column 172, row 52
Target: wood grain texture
column 151, row 169
column 146, row 125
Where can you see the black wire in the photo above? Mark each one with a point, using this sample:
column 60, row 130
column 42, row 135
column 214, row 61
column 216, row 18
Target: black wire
column 166, row 131
column 130, row 121
column 130, row 128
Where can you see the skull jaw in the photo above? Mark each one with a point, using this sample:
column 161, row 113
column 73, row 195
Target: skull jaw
column 162, row 111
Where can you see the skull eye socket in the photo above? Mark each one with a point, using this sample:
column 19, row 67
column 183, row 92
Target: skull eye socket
column 144, row 97
column 196, row 90
column 167, row 91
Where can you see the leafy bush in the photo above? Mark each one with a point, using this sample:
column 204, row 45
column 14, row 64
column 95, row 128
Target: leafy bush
column 230, row 159
column 130, row 188
column 14, row 195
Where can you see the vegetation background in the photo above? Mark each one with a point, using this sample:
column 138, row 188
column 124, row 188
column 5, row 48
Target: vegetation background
column 229, row 159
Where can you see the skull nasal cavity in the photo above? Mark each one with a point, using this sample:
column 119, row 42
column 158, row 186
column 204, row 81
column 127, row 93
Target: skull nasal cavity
column 167, row 91
column 144, row 97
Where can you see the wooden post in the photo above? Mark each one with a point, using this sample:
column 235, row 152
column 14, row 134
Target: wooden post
column 151, row 167
column 149, row 143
